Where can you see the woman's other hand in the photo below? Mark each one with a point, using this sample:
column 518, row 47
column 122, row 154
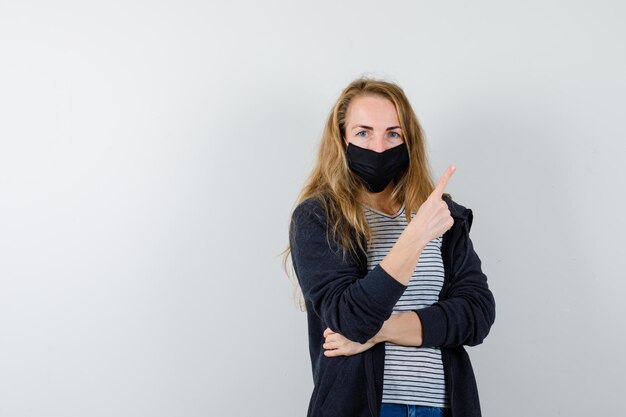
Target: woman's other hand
column 337, row 345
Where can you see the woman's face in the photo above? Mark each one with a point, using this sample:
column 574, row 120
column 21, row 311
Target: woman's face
column 372, row 123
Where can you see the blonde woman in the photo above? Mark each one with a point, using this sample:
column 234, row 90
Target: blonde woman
column 392, row 286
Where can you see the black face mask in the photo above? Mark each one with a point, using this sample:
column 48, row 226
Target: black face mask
column 376, row 170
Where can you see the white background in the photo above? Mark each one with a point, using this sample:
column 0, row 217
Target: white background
column 151, row 153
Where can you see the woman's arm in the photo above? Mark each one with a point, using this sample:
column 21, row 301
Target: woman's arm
column 403, row 328
column 348, row 303
column 432, row 220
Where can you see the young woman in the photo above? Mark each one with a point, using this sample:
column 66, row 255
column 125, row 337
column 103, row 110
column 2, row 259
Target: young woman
column 392, row 286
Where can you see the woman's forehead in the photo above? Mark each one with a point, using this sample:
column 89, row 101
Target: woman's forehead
column 374, row 111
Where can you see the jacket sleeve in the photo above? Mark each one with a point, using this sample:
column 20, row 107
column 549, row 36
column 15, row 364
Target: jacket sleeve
column 466, row 314
column 346, row 301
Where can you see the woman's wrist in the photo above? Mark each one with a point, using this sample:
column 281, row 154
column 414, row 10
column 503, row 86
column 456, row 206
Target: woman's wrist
column 383, row 333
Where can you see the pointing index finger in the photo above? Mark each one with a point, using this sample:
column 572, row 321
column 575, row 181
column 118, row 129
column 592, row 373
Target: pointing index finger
column 443, row 182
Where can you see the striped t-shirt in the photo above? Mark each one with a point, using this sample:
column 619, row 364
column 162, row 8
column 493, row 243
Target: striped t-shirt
column 412, row 375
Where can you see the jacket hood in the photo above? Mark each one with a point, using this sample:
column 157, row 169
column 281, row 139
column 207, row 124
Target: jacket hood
column 458, row 211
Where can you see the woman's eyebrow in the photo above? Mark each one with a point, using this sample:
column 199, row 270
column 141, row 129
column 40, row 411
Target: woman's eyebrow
column 371, row 128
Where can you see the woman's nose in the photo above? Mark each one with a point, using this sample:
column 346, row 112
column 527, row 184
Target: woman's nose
column 378, row 144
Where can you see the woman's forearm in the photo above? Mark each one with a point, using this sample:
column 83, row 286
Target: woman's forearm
column 432, row 220
column 401, row 329
column 401, row 260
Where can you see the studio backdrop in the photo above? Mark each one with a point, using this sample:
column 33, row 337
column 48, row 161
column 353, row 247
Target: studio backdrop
column 151, row 153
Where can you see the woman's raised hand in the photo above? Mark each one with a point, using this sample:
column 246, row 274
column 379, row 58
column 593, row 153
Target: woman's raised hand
column 432, row 220
column 433, row 217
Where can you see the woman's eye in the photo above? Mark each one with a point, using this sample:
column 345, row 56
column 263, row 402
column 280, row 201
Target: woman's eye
column 394, row 134
column 362, row 133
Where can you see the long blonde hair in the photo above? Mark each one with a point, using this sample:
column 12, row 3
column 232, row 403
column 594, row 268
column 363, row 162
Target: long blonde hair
column 338, row 188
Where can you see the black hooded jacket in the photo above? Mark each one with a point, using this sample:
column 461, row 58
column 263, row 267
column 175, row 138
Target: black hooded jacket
column 341, row 294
